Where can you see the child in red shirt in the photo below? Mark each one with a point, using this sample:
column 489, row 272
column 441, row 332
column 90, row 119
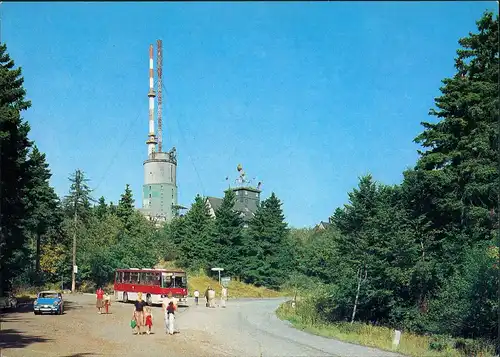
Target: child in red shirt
column 149, row 319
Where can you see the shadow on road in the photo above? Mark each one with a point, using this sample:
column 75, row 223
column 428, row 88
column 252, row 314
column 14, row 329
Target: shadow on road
column 27, row 306
column 11, row 338
column 83, row 354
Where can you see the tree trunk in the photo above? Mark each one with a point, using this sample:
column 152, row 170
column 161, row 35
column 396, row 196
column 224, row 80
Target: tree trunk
column 38, row 253
column 357, row 296
column 360, row 280
column 73, row 275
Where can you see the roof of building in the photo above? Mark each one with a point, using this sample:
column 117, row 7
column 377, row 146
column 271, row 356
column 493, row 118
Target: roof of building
column 323, row 224
column 246, row 188
column 246, row 213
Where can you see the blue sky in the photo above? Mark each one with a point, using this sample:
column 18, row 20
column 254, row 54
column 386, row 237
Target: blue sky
column 306, row 96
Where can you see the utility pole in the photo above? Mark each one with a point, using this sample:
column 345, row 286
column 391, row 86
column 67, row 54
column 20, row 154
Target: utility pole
column 73, row 274
column 75, row 223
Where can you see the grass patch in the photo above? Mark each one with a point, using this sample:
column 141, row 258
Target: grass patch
column 381, row 337
column 235, row 289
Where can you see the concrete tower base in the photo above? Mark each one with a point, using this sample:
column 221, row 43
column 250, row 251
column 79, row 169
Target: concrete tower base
column 159, row 192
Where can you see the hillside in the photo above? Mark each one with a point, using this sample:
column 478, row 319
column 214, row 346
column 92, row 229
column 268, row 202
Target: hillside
column 236, row 289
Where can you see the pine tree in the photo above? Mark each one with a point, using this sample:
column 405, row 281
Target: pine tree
column 14, row 178
column 79, row 198
column 43, row 201
column 102, row 208
column 197, row 248
column 455, row 184
column 229, row 235
column 125, row 208
column 78, row 201
column 266, row 258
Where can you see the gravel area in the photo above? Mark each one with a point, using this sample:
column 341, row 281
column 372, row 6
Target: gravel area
column 247, row 327
column 81, row 331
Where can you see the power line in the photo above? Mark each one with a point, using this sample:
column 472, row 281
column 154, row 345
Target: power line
column 186, row 146
column 117, row 151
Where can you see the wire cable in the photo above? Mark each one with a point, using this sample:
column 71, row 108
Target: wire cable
column 113, row 158
column 184, row 142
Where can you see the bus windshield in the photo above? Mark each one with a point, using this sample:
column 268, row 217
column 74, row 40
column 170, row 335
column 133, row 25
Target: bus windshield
column 169, row 280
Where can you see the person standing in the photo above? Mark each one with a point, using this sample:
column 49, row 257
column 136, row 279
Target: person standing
column 165, row 304
column 223, row 296
column 196, row 296
column 211, row 298
column 170, row 317
column 206, row 295
column 138, row 314
column 149, row 319
column 99, row 299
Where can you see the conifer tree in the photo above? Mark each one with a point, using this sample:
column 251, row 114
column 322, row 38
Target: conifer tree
column 14, row 177
column 229, row 235
column 102, row 208
column 125, row 208
column 197, row 248
column 43, row 202
column 266, row 260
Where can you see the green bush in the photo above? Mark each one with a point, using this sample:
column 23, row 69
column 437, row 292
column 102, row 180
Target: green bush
column 469, row 347
column 440, row 343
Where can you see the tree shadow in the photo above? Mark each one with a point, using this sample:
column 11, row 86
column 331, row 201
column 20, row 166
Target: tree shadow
column 11, row 338
column 83, row 354
column 27, row 306
column 71, row 305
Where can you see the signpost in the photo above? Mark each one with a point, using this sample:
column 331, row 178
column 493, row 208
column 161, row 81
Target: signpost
column 219, row 270
column 225, row 281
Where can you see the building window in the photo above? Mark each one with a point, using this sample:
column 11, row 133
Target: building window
column 257, row 195
column 246, row 200
column 149, row 188
column 237, row 192
column 149, row 195
column 246, row 193
column 172, row 193
column 161, row 187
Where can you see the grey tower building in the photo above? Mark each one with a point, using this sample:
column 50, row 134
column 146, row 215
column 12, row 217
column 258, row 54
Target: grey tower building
column 159, row 192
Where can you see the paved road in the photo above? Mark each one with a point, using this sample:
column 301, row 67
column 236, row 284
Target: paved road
column 247, row 327
column 251, row 328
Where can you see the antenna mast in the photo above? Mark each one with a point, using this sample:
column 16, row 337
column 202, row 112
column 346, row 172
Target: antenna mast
column 151, row 142
column 159, row 62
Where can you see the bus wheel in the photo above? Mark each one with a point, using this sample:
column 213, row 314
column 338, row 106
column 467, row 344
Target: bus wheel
column 149, row 301
column 125, row 297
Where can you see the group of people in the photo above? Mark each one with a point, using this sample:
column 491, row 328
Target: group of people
column 103, row 301
column 142, row 317
column 210, row 297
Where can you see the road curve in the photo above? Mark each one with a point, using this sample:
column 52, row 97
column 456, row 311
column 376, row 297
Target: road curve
column 249, row 327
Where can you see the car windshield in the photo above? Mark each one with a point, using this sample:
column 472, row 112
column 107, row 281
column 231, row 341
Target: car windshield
column 48, row 295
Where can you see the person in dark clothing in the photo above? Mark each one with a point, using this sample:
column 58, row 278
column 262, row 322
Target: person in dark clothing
column 138, row 315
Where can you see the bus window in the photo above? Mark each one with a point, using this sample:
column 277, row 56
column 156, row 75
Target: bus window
column 147, row 278
column 166, row 281
column 134, row 278
column 126, row 277
column 118, row 277
column 155, row 279
column 179, row 282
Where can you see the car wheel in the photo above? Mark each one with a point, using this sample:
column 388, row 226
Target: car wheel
column 125, row 297
column 149, row 300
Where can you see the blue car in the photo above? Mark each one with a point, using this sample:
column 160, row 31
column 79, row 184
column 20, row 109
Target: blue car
column 48, row 301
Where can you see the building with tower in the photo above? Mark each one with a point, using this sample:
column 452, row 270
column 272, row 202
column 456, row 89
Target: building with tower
column 159, row 191
column 247, row 198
